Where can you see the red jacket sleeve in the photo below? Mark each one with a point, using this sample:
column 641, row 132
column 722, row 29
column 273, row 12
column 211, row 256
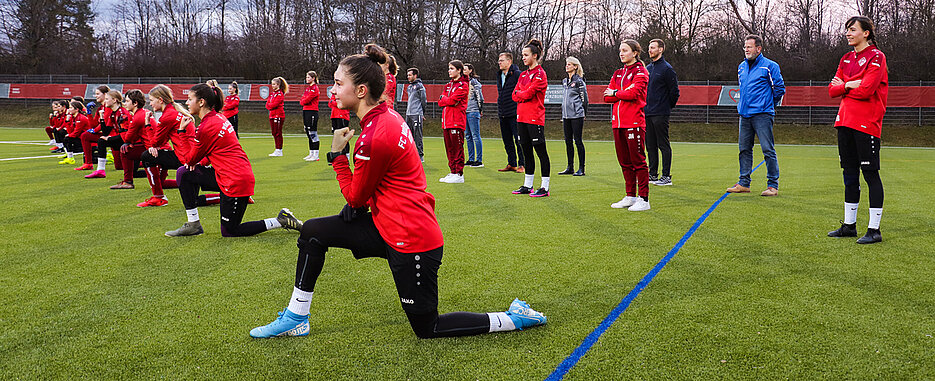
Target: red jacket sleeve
column 274, row 101
column 635, row 89
column 161, row 132
column 202, row 144
column 460, row 94
column 536, row 85
column 613, row 85
column 232, row 105
column 306, row 98
column 870, row 80
column 837, row 91
column 135, row 130
column 370, row 165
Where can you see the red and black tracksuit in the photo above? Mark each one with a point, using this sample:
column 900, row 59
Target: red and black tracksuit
column 629, row 124
column 339, row 119
column 529, row 95
column 73, row 128
column 115, row 127
column 390, row 90
column 56, row 124
column 168, row 129
column 401, row 225
column 215, row 142
column 133, row 147
column 277, row 115
column 309, row 102
column 230, row 110
column 859, row 122
column 454, row 104
column 102, row 124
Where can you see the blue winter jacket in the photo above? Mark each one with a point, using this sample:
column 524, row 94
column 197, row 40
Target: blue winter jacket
column 761, row 87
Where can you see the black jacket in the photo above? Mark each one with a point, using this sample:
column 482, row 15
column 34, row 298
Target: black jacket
column 662, row 93
column 506, row 106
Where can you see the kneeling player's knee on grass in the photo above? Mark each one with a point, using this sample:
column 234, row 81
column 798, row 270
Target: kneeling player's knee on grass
column 423, row 324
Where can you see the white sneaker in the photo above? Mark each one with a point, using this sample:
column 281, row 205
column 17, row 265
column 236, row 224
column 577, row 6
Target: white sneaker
column 625, row 202
column 445, row 179
column 309, row 156
column 51, row 142
column 455, row 179
column 639, row 206
column 276, row 153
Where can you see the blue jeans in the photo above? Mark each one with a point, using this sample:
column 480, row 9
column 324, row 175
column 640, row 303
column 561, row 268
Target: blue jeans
column 761, row 125
column 472, row 136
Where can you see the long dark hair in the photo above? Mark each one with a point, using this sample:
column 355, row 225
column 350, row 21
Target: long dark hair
column 865, row 24
column 212, row 95
column 364, row 69
column 458, row 65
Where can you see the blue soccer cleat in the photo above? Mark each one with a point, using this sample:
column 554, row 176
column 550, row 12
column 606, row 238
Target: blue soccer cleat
column 524, row 316
column 287, row 324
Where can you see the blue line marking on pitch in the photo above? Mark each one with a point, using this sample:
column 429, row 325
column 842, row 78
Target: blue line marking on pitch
column 592, row 338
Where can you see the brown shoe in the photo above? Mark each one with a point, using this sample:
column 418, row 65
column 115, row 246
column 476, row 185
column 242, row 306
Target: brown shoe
column 770, row 192
column 520, row 169
column 509, row 168
column 122, row 185
column 737, row 188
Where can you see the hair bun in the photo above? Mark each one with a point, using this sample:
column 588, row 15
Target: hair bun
column 376, row 53
column 536, row 43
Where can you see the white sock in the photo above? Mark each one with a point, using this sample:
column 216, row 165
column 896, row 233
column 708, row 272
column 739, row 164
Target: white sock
column 311, row 152
column 272, row 223
column 300, row 302
column 101, row 164
column 545, row 182
column 850, row 213
column 192, row 215
column 527, row 181
column 875, row 215
column 70, row 155
column 500, row 322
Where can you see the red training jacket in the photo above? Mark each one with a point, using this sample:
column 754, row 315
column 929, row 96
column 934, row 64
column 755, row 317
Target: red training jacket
column 310, row 98
column 454, row 100
column 231, row 105
column 629, row 84
column 134, row 132
column 388, row 176
column 168, row 129
column 274, row 104
column 390, row 89
column 215, row 140
column 337, row 113
column 79, row 123
column 529, row 96
column 862, row 108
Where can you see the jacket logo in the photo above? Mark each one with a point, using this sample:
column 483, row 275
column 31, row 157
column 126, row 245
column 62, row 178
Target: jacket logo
column 862, row 61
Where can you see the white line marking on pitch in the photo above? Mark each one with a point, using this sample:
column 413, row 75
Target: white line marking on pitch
column 29, row 157
column 28, row 142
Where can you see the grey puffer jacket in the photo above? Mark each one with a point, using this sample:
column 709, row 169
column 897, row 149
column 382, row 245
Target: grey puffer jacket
column 575, row 101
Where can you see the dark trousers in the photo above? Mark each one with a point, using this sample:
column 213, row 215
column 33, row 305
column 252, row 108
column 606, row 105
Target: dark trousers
column 232, row 208
column 657, row 140
column 310, row 119
column 415, row 274
column 233, row 120
column 573, row 128
column 275, row 127
column 511, row 140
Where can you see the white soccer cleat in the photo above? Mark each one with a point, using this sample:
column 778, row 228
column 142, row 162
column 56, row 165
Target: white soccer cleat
column 625, row 202
column 639, row 206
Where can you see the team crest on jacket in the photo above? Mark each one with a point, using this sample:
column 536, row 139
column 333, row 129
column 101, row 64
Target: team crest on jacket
column 862, row 61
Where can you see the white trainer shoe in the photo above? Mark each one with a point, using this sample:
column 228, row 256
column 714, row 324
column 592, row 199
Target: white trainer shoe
column 445, row 179
column 625, row 202
column 455, row 179
column 639, row 206
column 276, row 153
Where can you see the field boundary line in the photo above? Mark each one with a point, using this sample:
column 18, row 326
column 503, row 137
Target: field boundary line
column 30, row 157
column 565, row 366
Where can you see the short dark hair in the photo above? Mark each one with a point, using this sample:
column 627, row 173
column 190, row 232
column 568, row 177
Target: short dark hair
column 508, row 55
column 413, row 70
column 661, row 43
column 757, row 40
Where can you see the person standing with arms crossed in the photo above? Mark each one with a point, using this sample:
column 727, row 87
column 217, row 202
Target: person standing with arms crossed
column 415, row 108
column 862, row 82
column 506, row 111
column 574, row 108
column 761, row 89
column 661, row 96
column 277, row 113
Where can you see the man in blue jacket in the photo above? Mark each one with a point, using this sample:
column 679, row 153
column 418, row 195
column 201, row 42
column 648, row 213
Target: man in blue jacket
column 506, row 110
column 761, row 89
column 662, row 94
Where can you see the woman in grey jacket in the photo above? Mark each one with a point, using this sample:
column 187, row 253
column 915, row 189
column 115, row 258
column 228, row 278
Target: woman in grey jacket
column 475, row 108
column 574, row 108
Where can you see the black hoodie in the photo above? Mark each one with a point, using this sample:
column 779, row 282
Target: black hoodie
column 506, row 106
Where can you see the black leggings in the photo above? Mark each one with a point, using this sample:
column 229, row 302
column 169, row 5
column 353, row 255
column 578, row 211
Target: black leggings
column 166, row 159
column 852, row 186
column 310, row 117
column 419, row 299
column 106, row 142
column 528, row 132
column 59, row 135
column 233, row 120
column 73, row 145
column 573, row 128
column 232, row 208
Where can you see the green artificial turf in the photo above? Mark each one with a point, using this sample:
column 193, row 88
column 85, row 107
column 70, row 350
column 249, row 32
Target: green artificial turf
column 91, row 289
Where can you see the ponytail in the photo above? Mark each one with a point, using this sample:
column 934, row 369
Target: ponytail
column 535, row 46
column 163, row 93
column 212, row 96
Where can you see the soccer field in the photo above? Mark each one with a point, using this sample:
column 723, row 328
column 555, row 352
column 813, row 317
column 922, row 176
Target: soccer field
column 90, row 287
